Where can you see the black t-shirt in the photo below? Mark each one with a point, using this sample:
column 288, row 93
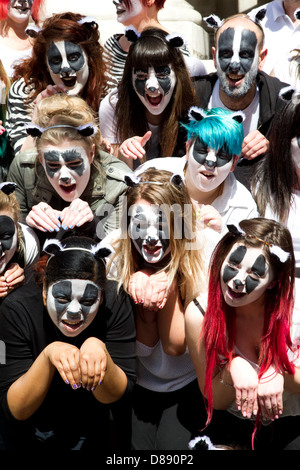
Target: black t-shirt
column 67, row 419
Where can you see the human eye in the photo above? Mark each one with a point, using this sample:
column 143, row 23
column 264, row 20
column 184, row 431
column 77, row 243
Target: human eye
column 226, row 53
column 246, row 54
column 74, row 56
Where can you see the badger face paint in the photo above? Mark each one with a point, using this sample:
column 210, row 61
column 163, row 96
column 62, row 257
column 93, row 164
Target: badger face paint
column 19, row 10
column 154, row 86
column 73, row 304
column 8, row 241
column 68, row 66
column 245, row 275
column 237, row 60
column 125, row 15
column 207, row 168
column 149, row 231
column 68, row 169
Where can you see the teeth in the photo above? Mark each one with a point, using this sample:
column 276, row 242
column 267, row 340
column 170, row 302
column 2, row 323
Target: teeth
column 235, row 77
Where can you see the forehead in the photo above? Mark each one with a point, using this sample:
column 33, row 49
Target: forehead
column 145, row 211
column 243, row 24
column 243, row 254
column 74, row 287
column 67, row 152
column 63, row 47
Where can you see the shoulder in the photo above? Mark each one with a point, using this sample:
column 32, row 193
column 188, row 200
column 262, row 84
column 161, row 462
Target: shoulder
column 239, row 194
column 113, row 167
column 117, row 303
column 272, row 83
column 23, row 305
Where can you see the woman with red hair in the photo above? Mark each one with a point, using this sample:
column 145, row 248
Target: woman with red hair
column 15, row 16
column 247, row 357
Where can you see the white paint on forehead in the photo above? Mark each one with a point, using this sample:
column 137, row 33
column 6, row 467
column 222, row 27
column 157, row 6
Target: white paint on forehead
column 237, row 39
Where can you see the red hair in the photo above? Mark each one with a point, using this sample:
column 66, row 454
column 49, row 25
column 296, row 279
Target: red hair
column 219, row 326
column 65, row 27
column 158, row 3
column 37, row 4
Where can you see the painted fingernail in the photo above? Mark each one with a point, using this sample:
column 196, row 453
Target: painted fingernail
column 71, row 226
column 67, row 382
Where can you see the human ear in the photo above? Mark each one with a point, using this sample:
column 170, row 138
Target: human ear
column 262, row 58
column 92, row 154
column 235, row 160
column 214, row 53
column 44, row 295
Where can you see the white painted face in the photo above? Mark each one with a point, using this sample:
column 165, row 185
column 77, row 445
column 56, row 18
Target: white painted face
column 68, row 66
column 68, row 168
column 19, row 11
column 149, row 231
column 126, row 15
column 245, row 276
column 8, row 240
column 154, row 86
column 207, row 168
column 295, row 152
column 72, row 304
column 237, row 60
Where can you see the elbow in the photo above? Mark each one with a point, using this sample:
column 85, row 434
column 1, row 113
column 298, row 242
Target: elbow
column 174, row 350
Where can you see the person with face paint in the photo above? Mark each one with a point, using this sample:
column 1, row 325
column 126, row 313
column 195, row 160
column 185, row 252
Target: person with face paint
column 276, row 181
column 19, row 246
column 158, row 208
column 71, row 184
column 66, row 57
column 140, row 14
column 213, row 147
column 240, row 85
column 154, row 94
column 245, row 348
column 282, row 36
column 15, row 16
column 70, row 355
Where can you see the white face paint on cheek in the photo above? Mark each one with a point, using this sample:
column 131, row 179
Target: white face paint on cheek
column 72, row 304
column 245, row 276
column 149, row 232
column 19, row 11
column 8, row 241
column 68, row 170
column 126, row 15
column 154, row 87
column 204, row 176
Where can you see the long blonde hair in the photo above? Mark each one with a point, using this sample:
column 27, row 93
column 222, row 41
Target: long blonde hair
column 186, row 261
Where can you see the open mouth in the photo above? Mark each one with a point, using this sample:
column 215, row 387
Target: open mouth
column 235, row 79
column 72, row 326
column 68, row 189
column 234, row 294
column 154, row 100
column 69, row 82
column 152, row 249
column 120, row 11
column 208, row 175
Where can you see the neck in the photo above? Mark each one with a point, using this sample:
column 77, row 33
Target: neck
column 240, row 103
column 13, row 29
column 290, row 7
column 149, row 21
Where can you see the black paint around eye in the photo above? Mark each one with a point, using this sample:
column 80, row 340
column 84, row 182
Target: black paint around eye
column 259, row 266
column 251, row 284
column 238, row 255
column 229, row 273
column 7, row 231
column 247, row 49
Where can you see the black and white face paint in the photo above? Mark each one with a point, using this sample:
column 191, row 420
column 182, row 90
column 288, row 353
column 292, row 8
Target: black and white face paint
column 149, row 231
column 73, row 304
column 8, row 241
column 126, row 15
column 19, row 11
column 154, row 86
column 68, row 169
column 207, row 168
column 68, row 66
column 245, row 275
column 237, row 60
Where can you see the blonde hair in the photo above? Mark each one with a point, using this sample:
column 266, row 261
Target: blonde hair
column 185, row 264
column 62, row 109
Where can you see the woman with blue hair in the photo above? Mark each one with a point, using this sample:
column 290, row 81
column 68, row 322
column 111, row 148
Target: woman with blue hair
column 214, row 145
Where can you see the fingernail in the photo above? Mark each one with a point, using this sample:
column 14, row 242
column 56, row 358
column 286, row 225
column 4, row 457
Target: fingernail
column 141, row 301
column 71, row 226
column 67, row 382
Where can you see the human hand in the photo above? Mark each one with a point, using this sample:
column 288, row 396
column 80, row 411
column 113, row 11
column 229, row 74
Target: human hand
column 76, row 214
column 43, row 217
column 245, row 382
column 65, row 358
column 49, row 91
column 13, row 277
column 149, row 289
column 93, row 363
column 254, row 144
column 107, row 146
column 2, row 129
column 134, row 147
column 209, row 217
column 270, row 390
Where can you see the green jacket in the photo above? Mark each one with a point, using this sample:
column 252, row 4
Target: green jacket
column 103, row 192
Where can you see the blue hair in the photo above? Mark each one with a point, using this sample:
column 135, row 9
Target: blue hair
column 216, row 130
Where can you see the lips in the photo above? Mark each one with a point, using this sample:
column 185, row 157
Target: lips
column 69, row 188
column 152, row 249
column 208, row 175
column 235, row 295
column 154, row 100
column 72, row 326
column 69, row 82
column 235, row 79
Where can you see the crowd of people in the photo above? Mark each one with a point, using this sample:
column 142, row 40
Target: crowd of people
column 150, row 246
